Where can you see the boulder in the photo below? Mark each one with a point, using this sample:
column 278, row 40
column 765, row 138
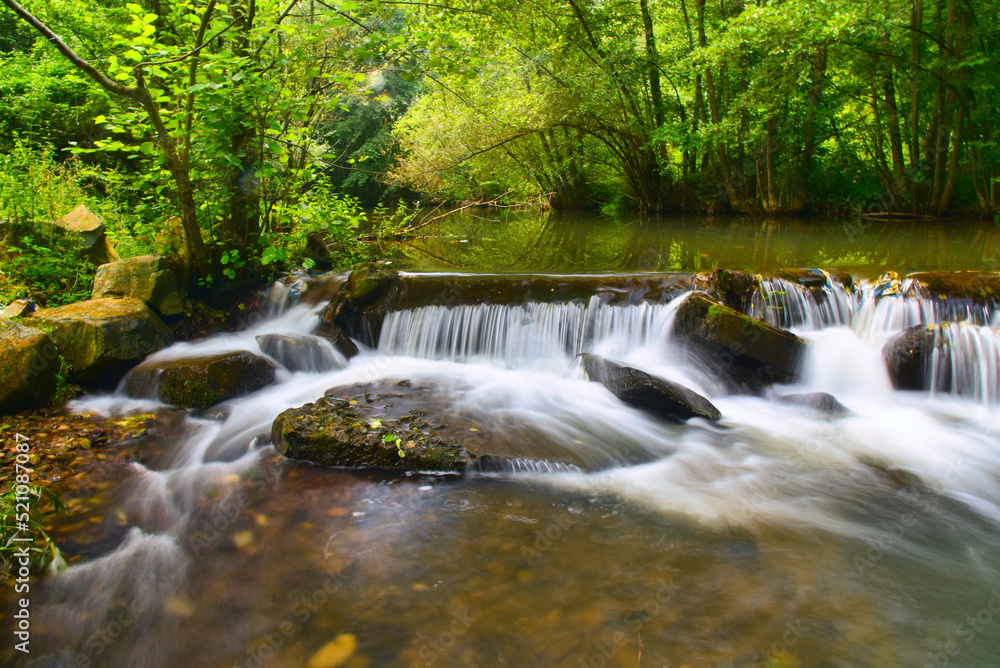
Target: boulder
column 336, row 432
column 18, row 308
column 103, row 338
column 734, row 288
column 908, row 357
column 360, row 307
column 342, row 342
column 749, row 353
column 200, row 382
column 821, row 402
column 147, row 278
column 29, row 367
column 300, row 352
column 89, row 231
column 358, row 426
column 656, row 395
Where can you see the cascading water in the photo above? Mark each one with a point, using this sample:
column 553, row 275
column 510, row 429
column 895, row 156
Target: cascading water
column 779, row 536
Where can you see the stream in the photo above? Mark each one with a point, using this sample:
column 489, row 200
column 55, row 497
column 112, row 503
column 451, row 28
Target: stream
column 778, row 537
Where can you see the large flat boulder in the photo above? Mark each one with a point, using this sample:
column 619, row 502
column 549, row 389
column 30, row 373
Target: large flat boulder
column 749, row 353
column 200, row 382
column 637, row 388
column 370, row 424
column 147, row 278
column 29, row 366
column 103, row 338
column 336, row 432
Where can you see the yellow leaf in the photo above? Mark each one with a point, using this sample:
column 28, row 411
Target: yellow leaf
column 335, row 653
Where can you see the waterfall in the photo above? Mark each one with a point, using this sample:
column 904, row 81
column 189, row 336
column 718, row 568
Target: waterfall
column 519, row 336
column 874, row 310
column 787, row 304
column 966, row 362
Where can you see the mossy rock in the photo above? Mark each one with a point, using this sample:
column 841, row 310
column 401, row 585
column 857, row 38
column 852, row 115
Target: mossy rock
column 749, row 353
column 200, row 382
column 335, row 432
column 29, row 366
column 103, row 338
column 360, row 307
column 147, row 278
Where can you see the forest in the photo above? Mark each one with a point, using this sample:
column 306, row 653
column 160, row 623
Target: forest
column 232, row 134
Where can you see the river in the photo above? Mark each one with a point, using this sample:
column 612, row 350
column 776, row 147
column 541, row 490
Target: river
column 777, row 537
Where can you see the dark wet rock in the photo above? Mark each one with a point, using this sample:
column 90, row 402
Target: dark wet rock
column 909, row 357
column 356, row 426
column 749, row 353
column 360, row 307
column 340, row 341
column 29, row 365
column 300, row 352
column 147, row 278
column 334, row 432
column 103, row 338
column 821, row 402
column 814, row 279
column 18, row 308
column 200, row 382
column 642, row 390
column 733, row 288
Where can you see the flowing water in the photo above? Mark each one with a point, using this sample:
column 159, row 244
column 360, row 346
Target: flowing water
column 777, row 537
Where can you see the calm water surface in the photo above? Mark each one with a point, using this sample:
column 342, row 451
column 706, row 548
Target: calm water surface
column 519, row 241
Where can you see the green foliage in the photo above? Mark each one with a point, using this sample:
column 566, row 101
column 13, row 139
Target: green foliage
column 28, row 511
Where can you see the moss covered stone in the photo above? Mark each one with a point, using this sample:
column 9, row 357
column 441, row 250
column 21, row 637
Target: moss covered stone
column 337, row 432
column 103, row 338
column 147, row 278
column 29, row 365
column 200, row 382
column 750, row 353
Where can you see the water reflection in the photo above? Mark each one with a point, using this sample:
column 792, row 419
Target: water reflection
column 573, row 242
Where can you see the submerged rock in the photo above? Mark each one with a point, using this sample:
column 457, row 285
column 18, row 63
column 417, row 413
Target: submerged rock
column 147, row 278
column 29, row 365
column 821, row 402
column 200, row 382
column 908, row 357
column 748, row 352
column 103, row 338
column 642, row 390
column 300, row 352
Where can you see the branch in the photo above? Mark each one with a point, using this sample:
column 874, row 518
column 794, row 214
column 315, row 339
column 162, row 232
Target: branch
column 71, row 55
